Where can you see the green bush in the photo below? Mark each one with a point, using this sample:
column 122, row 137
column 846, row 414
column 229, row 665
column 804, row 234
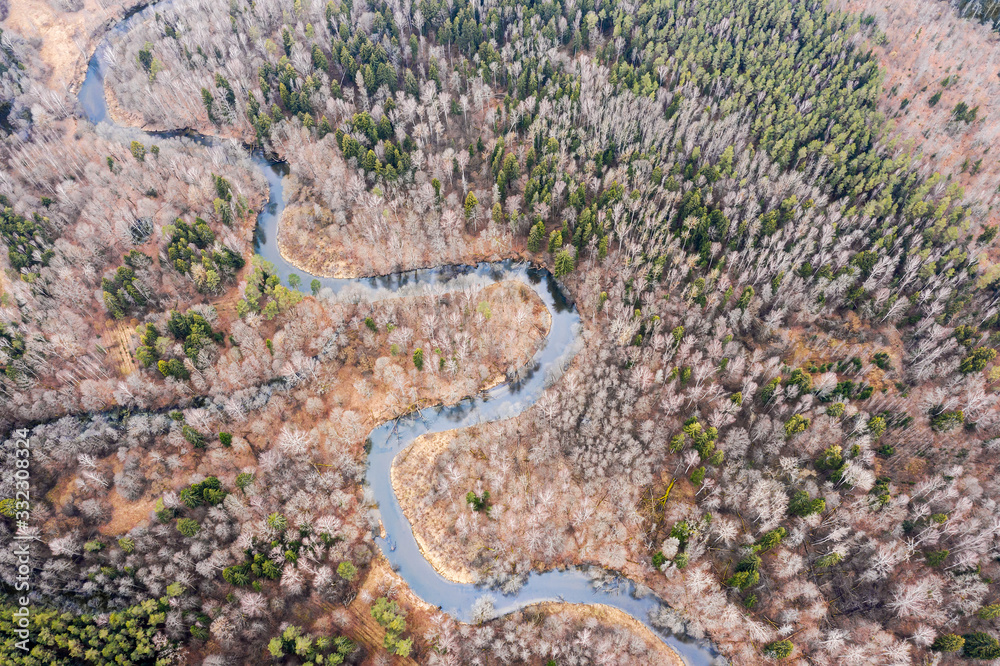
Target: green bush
column 747, row 573
column 770, row 539
column 244, row 479
column 802, row 505
column 796, row 424
column 310, row 649
column 829, row 560
column 347, row 571
column 779, row 649
column 208, row 492
column 64, row 639
column 990, row 612
column 980, row 645
column 393, row 620
column 479, row 503
column 943, row 421
column 187, row 526
column 936, row 558
column 948, row 643
column 978, row 359
column 194, row 438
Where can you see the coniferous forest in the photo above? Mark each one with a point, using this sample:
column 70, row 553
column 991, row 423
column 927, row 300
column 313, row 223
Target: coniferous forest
column 669, row 328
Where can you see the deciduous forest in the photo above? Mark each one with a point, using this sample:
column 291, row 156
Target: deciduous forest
column 759, row 238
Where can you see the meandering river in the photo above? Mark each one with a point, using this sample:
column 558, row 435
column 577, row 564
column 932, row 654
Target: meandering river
column 503, row 401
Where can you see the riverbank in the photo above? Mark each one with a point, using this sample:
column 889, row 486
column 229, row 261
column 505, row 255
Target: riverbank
column 612, row 616
column 410, row 486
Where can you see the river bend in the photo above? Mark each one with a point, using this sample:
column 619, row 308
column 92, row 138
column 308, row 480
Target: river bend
column 501, row 402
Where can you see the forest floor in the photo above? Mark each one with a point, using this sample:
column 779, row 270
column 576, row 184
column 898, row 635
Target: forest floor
column 413, row 479
column 335, row 390
column 930, row 49
column 117, row 340
column 412, row 472
column 316, row 245
column 65, row 40
column 363, row 628
column 610, row 616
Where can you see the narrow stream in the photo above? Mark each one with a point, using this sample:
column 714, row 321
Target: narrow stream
column 504, row 401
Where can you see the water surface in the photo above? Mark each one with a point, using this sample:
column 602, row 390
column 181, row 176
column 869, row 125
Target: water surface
column 503, row 401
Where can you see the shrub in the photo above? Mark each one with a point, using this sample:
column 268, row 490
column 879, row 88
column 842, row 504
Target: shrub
column 980, row 645
column 795, row 425
column 990, row 612
column 310, row 648
column 876, row 427
column 347, row 571
column 479, row 503
column 195, row 438
column 800, row 378
column 391, row 618
column 943, row 421
column 745, row 298
column 978, row 359
column 187, row 526
column 948, row 643
column 208, row 492
column 244, row 479
column 802, row 505
column 64, row 638
column 829, row 560
column 936, row 558
column 277, row 521
column 779, row 649
column 882, row 360
column 747, row 572
column 770, row 539
column 767, row 392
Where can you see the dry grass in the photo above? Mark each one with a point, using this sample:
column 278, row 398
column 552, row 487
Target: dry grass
column 363, row 628
column 126, row 515
column 67, row 38
column 412, row 477
column 927, row 43
column 116, row 337
column 610, row 616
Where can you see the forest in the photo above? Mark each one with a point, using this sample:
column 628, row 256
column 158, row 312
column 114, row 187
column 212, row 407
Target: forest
column 774, row 224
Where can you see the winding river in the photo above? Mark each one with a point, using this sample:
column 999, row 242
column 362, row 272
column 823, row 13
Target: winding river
column 503, row 401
